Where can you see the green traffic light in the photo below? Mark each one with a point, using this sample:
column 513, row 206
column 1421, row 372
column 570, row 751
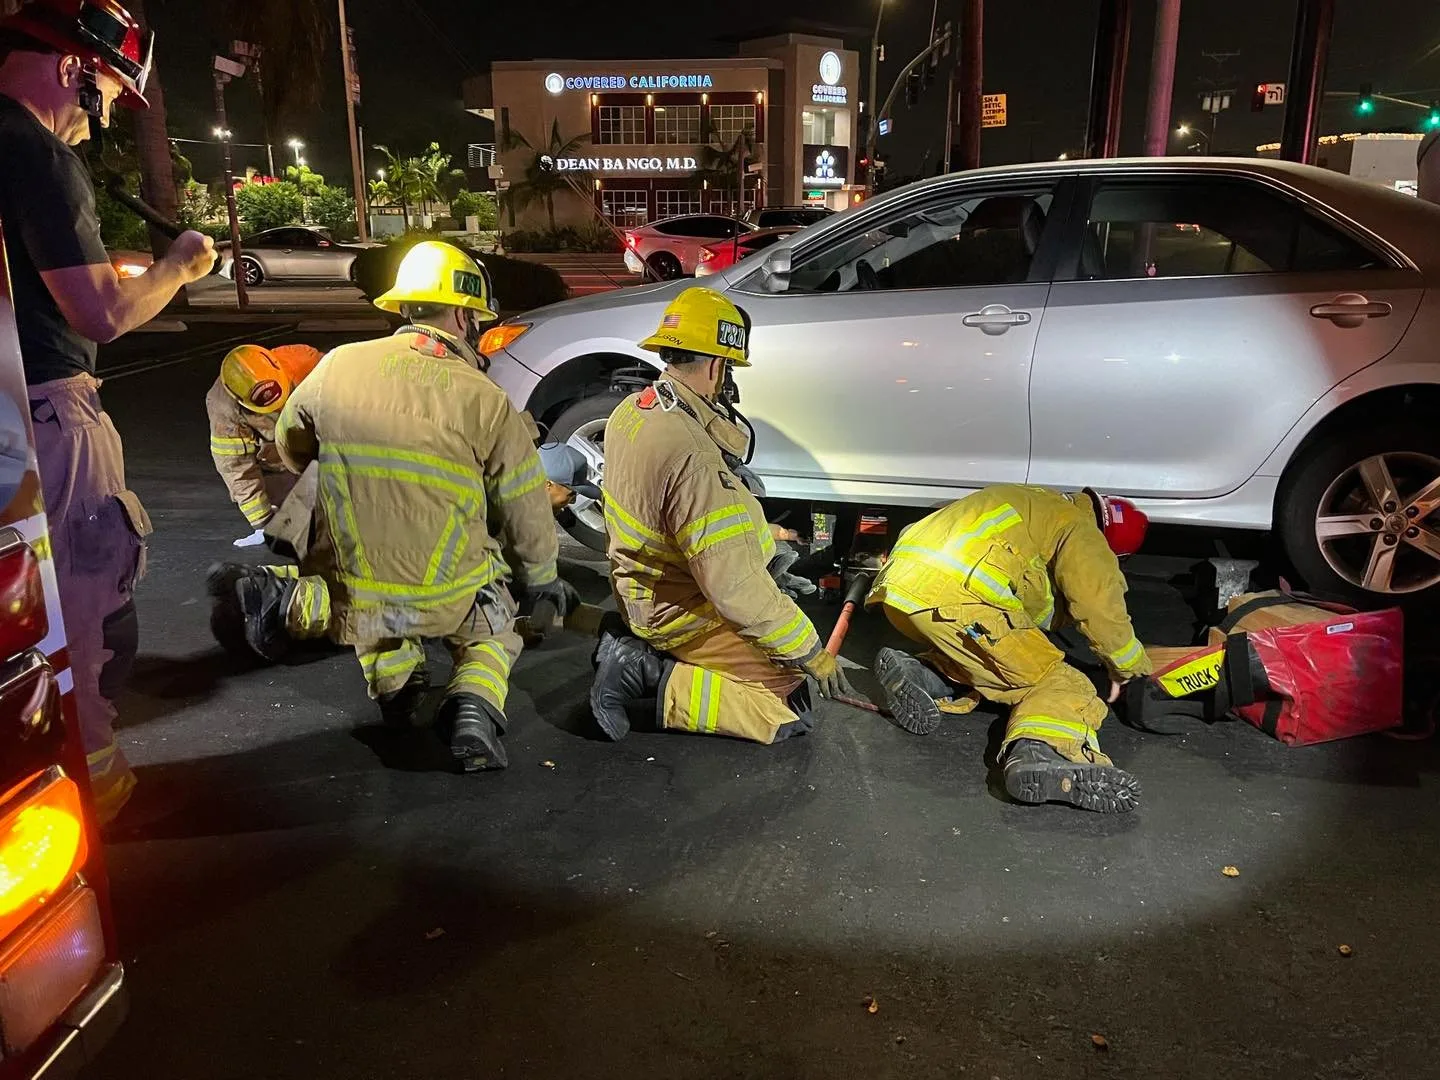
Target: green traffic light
column 1433, row 120
column 1365, row 106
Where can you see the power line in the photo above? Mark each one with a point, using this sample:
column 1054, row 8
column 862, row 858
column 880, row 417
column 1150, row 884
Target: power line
column 443, row 37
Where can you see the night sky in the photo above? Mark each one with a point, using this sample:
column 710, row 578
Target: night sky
column 413, row 55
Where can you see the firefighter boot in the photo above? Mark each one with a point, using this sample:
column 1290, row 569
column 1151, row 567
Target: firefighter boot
column 401, row 708
column 475, row 730
column 914, row 688
column 627, row 671
column 1035, row 772
column 263, row 601
column 227, row 621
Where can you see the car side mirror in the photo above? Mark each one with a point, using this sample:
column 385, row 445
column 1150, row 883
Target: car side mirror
column 775, row 271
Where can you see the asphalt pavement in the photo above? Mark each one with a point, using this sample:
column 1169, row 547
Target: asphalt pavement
column 306, row 895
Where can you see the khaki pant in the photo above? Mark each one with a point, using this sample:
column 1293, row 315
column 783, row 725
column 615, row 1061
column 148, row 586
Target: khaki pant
column 484, row 646
column 1009, row 660
column 97, row 534
column 723, row 685
column 295, row 515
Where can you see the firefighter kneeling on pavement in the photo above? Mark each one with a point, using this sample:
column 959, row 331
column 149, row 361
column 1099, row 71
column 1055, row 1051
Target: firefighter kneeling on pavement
column 253, row 386
column 980, row 582
column 431, row 499
column 717, row 648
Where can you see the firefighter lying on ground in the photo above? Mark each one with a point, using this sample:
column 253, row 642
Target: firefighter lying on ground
column 253, row 386
column 714, row 645
column 980, row 582
column 431, row 502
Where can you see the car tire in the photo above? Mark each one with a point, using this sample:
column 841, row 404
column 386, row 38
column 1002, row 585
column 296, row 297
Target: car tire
column 1326, row 491
column 583, row 425
column 666, row 266
column 253, row 272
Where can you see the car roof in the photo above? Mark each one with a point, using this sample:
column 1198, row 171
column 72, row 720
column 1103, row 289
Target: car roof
column 1410, row 226
column 688, row 217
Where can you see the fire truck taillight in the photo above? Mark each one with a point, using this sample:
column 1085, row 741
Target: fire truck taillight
column 42, row 844
column 23, row 623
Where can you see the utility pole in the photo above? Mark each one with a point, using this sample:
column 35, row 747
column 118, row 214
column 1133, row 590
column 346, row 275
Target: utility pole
column 241, row 296
column 351, row 92
column 872, row 126
column 1305, row 91
column 1107, row 78
column 972, row 45
column 1162, row 77
column 950, row 91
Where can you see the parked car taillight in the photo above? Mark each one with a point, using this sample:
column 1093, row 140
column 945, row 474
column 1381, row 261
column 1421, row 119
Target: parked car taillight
column 630, row 241
column 706, row 254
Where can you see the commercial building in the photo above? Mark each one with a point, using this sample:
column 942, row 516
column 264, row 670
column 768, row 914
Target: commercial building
column 641, row 140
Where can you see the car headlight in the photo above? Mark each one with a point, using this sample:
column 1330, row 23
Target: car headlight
column 502, row 337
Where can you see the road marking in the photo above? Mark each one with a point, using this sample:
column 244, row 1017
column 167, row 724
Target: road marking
column 139, row 367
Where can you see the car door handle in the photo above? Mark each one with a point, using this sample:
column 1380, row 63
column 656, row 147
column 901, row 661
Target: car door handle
column 996, row 318
column 1351, row 310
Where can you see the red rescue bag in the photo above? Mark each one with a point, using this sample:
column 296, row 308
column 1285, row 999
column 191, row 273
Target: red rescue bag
column 1299, row 669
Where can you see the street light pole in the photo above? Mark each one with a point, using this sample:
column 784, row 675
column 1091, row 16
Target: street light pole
column 356, row 167
column 241, row 297
column 872, row 129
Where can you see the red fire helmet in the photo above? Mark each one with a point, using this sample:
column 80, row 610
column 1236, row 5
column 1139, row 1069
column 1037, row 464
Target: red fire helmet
column 1122, row 522
column 99, row 31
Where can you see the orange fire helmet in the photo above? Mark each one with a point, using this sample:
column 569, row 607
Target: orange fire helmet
column 261, row 379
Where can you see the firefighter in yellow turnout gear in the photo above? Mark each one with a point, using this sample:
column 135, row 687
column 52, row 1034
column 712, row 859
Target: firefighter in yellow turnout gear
column 253, row 386
column 717, row 647
column 980, row 582
column 431, row 499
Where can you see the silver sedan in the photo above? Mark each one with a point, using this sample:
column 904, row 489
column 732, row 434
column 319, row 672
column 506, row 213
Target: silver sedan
column 291, row 253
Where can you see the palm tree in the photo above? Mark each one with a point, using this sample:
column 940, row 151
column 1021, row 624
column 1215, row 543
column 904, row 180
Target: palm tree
column 295, row 37
column 542, row 181
column 723, row 159
column 153, row 148
column 400, row 180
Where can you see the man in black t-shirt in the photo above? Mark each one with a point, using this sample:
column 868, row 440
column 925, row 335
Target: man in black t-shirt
column 63, row 64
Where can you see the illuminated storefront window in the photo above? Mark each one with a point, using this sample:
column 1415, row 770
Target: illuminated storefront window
column 623, row 124
column 672, row 201
column 677, row 125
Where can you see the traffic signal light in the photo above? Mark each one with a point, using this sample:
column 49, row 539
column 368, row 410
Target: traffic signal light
column 912, row 87
column 1433, row 120
column 1257, row 99
column 1365, row 105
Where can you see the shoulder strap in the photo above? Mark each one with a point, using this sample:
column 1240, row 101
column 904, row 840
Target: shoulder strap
column 1251, row 606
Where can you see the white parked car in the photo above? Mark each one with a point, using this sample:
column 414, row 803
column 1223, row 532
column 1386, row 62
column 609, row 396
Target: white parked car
column 1237, row 343
column 671, row 248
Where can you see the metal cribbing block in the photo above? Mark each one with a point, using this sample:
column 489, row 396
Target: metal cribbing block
column 1232, row 577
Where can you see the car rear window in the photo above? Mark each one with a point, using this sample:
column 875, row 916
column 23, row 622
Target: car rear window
column 717, row 228
column 774, row 219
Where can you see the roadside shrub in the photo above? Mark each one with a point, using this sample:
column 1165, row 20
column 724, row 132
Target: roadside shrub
column 120, row 228
column 519, row 285
column 590, row 237
column 480, row 204
column 332, row 207
column 269, row 206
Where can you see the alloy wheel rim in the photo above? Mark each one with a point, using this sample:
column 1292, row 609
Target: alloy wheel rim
column 1377, row 525
column 589, row 439
column 252, row 272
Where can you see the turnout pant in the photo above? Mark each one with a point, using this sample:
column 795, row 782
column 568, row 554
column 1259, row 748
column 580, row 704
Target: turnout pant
column 1009, row 660
column 723, row 685
column 484, row 646
column 97, row 535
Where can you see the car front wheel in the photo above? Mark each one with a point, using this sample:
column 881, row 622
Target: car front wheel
column 1358, row 516
column 582, row 425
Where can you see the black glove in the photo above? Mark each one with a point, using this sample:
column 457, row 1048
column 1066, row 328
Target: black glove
column 559, row 593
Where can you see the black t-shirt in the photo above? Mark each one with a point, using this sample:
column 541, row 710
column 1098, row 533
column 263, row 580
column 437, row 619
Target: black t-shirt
column 47, row 205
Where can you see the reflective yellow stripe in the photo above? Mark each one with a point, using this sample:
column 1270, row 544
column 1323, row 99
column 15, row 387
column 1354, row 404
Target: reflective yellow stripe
column 334, row 489
column 521, row 480
column 767, row 544
column 1126, row 657
column 704, row 713
column 1046, row 728
column 681, row 629
column 697, row 689
column 712, row 706
column 621, row 521
column 369, row 591
column 390, row 663
column 788, row 635
column 430, row 464
column 718, row 525
column 226, row 447
column 282, row 571
column 447, row 549
column 543, row 576
column 256, row 510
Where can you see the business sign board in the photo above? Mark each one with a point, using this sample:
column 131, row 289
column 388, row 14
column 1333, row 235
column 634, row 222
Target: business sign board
column 556, row 83
column 992, row 110
column 604, row 166
column 825, row 166
column 830, row 90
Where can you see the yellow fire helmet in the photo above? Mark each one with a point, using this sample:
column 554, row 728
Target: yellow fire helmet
column 436, row 273
column 256, row 378
column 703, row 321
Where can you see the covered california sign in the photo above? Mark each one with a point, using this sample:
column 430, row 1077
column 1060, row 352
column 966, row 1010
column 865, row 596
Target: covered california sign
column 557, row 83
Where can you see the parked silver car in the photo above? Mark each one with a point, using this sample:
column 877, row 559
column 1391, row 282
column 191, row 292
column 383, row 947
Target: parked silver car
column 293, row 252
column 1238, row 343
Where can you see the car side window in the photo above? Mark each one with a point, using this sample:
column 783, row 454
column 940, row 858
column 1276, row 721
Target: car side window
column 702, row 228
column 760, row 243
column 976, row 239
column 1207, row 227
